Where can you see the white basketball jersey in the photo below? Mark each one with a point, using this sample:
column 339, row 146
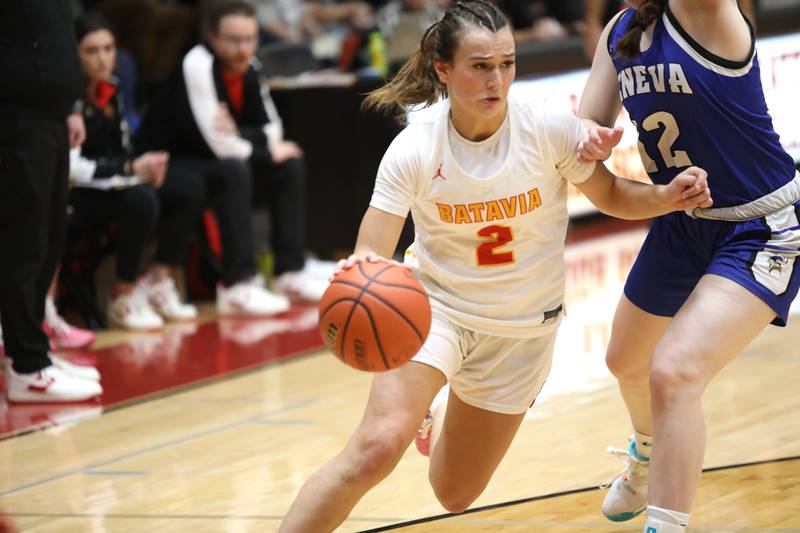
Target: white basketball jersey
column 489, row 251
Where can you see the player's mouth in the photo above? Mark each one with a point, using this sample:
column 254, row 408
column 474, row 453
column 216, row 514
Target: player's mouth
column 490, row 100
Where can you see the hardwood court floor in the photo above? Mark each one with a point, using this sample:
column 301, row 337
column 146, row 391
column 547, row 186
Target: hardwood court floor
column 230, row 455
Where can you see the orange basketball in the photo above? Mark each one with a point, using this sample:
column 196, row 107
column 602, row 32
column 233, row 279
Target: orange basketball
column 375, row 316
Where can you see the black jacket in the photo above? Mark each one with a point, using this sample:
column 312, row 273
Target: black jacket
column 170, row 123
column 40, row 72
column 107, row 140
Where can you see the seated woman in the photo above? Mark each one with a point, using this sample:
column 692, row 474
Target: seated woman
column 112, row 187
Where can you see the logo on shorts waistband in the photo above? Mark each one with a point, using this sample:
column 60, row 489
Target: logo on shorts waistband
column 776, row 263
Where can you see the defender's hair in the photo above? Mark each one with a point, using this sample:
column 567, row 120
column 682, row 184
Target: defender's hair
column 629, row 46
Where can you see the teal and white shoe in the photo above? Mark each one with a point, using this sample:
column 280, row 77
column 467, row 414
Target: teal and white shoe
column 627, row 493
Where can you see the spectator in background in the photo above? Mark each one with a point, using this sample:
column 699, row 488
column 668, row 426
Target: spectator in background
column 277, row 164
column 112, row 187
column 40, row 83
column 402, row 23
column 323, row 24
column 543, row 20
column 211, row 117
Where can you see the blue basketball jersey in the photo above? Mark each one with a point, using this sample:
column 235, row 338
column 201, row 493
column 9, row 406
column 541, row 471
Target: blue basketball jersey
column 691, row 107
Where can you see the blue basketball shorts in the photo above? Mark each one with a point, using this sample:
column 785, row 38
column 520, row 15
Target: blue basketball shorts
column 760, row 255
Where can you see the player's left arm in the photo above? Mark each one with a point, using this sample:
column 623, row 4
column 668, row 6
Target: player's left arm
column 628, row 199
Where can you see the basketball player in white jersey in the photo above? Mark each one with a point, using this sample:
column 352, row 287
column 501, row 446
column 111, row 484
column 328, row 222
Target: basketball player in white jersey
column 485, row 179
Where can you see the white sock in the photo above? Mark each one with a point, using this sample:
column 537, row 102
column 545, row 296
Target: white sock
column 665, row 521
column 644, row 444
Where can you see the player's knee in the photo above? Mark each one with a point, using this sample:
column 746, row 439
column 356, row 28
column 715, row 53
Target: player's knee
column 455, row 494
column 620, row 364
column 674, row 378
column 455, row 500
column 376, row 454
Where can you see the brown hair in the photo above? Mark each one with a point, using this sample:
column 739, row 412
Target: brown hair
column 220, row 9
column 629, row 46
column 417, row 82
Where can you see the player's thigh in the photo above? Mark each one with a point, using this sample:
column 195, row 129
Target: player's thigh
column 496, row 385
column 716, row 323
column 471, row 445
column 634, row 335
column 398, row 401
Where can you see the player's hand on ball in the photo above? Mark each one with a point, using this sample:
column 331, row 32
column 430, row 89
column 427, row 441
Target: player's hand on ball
column 369, row 257
column 598, row 142
column 689, row 189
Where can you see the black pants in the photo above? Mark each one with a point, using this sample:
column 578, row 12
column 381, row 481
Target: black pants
column 282, row 189
column 224, row 184
column 34, row 169
column 133, row 210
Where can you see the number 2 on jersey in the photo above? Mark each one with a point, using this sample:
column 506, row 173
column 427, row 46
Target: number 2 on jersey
column 487, row 253
column 672, row 158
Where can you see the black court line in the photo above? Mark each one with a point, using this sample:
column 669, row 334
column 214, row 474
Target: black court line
column 178, row 389
column 570, row 492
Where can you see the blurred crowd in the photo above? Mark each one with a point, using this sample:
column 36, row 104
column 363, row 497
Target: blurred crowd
column 183, row 139
column 174, row 142
column 371, row 36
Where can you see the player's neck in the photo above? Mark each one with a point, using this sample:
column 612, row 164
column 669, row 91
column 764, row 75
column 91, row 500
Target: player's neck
column 476, row 129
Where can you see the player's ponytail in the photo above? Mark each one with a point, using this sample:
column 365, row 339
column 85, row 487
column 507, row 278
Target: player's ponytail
column 414, row 84
column 417, row 82
column 629, row 46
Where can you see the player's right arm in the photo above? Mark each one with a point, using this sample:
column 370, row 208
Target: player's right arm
column 600, row 104
column 394, row 193
column 379, row 233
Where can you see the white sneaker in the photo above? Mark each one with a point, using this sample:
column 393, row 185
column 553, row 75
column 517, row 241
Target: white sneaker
column 248, row 299
column 301, row 284
column 627, row 493
column 51, row 384
column 76, row 371
column 59, row 331
column 163, row 297
column 132, row 311
column 320, row 268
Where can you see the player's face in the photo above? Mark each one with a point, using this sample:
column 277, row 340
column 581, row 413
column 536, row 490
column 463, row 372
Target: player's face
column 236, row 42
column 481, row 73
column 98, row 53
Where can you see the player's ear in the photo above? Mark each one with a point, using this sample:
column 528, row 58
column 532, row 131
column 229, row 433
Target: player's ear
column 442, row 69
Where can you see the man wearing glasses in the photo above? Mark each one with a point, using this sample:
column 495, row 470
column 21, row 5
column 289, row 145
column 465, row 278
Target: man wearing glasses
column 214, row 109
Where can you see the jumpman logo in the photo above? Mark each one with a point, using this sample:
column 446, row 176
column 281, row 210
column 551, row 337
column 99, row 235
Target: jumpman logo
column 438, row 174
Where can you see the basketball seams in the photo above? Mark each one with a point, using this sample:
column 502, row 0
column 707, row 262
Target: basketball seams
column 396, row 310
column 333, row 304
column 352, row 311
column 375, row 334
column 344, row 329
column 378, row 282
column 374, row 279
column 378, row 273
